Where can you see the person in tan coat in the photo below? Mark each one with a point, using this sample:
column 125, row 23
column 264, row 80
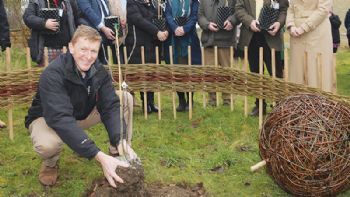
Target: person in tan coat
column 310, row 32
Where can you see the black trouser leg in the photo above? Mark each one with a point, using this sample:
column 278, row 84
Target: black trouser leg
column 182, row 99
column 258, row 40
column 182, row 102
column 150, row 97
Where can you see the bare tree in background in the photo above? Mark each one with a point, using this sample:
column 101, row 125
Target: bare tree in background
column 19, row 32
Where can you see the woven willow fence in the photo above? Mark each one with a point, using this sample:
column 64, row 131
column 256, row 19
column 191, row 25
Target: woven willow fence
column 18, row 87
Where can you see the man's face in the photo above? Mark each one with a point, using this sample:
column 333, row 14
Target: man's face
column 84, row 52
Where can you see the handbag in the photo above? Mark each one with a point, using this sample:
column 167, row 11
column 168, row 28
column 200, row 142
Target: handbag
column 268, row 15
column 160, row 23
column 222, row 15
column 181, row 20
column 50, row 13
column 113, row 22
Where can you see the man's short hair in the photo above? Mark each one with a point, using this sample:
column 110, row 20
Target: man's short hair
column 87, row 32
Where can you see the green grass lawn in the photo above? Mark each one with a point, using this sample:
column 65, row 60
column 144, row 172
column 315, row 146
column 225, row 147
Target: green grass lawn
column 171, row 150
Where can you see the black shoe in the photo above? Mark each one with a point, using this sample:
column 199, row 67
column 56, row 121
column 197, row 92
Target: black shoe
column 181, row 108
column 153, row 108
column 149, row 110
column 255, row 111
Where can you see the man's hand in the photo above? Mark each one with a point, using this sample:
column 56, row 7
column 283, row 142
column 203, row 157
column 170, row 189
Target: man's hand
column 253, row 26
column 162, row 35
column 228, row 25
column 213, row 27
column 109, row 164
column 108, row 33
column 125, row 150
column 179, row 31
column 52, row 24
column 274, row 28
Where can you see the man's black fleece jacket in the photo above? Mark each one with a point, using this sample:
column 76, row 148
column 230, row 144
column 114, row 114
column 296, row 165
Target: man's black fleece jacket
column 63, row 98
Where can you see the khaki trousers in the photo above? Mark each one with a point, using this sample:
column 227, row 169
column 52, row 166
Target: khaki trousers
column 49, row 145
column 223, row 59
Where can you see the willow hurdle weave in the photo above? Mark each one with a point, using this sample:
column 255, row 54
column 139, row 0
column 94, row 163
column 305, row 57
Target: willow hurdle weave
column 20, row 85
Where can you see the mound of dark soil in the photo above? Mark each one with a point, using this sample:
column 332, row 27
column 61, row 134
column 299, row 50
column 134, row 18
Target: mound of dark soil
column 134, row 186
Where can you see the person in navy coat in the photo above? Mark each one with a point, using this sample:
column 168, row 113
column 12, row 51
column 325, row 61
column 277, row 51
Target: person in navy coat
column 181, row 17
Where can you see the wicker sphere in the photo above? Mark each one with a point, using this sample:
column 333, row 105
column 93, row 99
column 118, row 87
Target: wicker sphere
column 305, row 141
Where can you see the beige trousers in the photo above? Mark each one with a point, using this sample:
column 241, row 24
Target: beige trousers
column 49, row 145
column 223, row 59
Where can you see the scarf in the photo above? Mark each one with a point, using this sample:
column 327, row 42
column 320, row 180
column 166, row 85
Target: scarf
column 180, row 7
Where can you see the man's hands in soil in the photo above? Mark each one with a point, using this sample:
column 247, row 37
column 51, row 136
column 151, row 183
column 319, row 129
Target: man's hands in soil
column 124, row 149
column 109, row 165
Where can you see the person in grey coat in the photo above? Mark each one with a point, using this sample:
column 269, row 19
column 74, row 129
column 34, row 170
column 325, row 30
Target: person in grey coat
column 212, row 36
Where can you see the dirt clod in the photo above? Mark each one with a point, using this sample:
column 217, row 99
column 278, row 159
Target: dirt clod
column 134, row 186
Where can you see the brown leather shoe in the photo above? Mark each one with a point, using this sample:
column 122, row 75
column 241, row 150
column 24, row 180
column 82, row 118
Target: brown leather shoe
column 48, row 175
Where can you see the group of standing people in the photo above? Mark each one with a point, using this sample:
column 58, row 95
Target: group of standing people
column 86, row 90
column 306, row 22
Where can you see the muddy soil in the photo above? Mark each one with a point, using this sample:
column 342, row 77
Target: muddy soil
column 134, row 186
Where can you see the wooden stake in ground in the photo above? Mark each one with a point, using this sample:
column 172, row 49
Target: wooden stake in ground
column 258, row 166
column 273, row 65
column 189, row 93
column 122, row 93
column 173, row 93
column 286, row 65
column 216, row 64
column 46, row 57
column 245, row 69
column 204, row 93
column 261, row 72
column 10, row 109
column 158, row 93
column 145, row 92
column 231, row 63
column 334, row 74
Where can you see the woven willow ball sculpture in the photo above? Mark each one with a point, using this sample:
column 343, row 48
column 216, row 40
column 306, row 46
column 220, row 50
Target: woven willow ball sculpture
column 305, row 141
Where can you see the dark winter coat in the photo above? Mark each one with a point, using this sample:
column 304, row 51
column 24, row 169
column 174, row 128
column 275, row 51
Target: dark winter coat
column 208, row 13
column 63, row 98
column 335, row 24
column 190, row 33
column 4, row 28
column 141, row 30
column 37, row 25
column 347, row 23
column 245, row 12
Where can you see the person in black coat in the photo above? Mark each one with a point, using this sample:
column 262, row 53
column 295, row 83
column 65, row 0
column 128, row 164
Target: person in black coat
column 335, row 24
column 76, row 92
column 347, row 25
column 142, row 32
column 43, row 30
column 4, row 28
